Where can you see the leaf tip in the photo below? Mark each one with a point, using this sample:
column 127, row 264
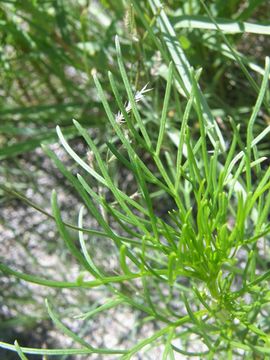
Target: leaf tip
column 94, row 73
column 75, row 122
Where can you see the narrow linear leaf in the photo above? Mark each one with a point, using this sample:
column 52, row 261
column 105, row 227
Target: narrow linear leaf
column 19, row 351
column 59, row 324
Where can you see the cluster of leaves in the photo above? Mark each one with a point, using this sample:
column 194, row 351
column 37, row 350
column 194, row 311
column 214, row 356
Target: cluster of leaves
column 196, row 271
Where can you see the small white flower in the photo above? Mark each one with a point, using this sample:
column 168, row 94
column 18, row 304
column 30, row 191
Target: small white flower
column 119, row 118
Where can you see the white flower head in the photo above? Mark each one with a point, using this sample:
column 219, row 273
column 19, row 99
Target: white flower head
column 119, row 118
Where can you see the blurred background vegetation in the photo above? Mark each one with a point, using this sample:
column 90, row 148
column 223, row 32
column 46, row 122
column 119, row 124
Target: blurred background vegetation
column 48, row 50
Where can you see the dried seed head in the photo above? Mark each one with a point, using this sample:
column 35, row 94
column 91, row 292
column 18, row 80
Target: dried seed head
column 129, row 23
column 135, row 196
column 90, row 158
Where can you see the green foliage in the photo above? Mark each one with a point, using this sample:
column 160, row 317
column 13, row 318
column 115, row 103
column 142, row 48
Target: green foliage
column 188, row 231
